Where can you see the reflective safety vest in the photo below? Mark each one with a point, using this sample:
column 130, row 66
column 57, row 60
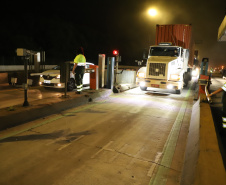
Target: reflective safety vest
column 80, row 60
column 224, row 106
column 224, row 122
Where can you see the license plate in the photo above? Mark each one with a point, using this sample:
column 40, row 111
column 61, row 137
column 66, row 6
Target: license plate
column 47, row 81
column 155, row 85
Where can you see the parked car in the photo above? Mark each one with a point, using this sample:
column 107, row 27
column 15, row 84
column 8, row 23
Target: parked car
column 51, row 78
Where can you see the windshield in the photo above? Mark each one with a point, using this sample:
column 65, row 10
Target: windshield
column 165, row 51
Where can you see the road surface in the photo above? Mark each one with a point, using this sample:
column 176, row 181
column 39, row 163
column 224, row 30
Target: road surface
column 133, row 137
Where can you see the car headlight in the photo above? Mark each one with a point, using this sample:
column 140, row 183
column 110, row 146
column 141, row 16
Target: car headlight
column 175, row 77
column 140, row 75
column 58, row 76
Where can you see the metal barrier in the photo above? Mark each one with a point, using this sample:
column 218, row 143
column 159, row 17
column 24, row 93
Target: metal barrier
column 207, row 93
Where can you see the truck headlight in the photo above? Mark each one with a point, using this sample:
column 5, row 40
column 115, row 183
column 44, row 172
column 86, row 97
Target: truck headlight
column 142, row 84
column 175, row 77
column 58, row 76
column 140, row 75
column 195, row 72
column 170, row 86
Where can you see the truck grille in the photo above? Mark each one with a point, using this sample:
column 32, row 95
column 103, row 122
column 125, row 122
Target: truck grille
column 157, row 69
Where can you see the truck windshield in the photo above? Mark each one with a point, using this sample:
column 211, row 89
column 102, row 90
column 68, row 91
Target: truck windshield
column 165, row 51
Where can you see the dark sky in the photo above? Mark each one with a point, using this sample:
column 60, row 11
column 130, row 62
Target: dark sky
column 103, row 25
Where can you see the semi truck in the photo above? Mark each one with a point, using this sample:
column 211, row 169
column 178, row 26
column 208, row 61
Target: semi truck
column 170, row 60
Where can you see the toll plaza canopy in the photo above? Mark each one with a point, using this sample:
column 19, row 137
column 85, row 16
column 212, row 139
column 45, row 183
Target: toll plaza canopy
column 222, row 31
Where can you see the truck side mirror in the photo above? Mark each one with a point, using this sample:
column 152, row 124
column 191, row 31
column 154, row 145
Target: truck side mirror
column 145, row 54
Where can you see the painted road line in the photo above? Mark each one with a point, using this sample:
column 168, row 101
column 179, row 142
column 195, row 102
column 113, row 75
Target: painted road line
column 121, row 150
column 51, row 120
column 64, row 146
column 160, row 178
column 157, row 157
column 67, row 144
column 103, row 148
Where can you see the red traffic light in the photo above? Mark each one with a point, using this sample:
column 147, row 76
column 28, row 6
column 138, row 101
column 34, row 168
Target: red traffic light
column 115, row 52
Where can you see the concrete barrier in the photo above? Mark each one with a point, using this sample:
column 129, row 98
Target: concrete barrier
column 203, row 161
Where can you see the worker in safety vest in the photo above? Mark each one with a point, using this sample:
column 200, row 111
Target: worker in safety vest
column 79, row 69
column 223, row 88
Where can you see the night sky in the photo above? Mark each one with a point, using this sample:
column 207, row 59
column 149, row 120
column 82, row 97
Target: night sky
column 100, row 26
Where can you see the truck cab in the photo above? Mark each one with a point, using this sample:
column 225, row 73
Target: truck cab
column 166, row 68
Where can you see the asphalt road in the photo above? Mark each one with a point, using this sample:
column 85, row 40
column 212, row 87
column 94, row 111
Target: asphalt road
column 133, row 137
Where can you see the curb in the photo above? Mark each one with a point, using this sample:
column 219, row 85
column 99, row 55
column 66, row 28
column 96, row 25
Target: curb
column 203, row 161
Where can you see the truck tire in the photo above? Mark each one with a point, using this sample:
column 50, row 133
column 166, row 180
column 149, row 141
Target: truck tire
column 187, row 78
column 71, row 84
column 186, row 82
column 178, row 91
column 143, row 88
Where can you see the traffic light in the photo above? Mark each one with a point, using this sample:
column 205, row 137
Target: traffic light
column 115, row 52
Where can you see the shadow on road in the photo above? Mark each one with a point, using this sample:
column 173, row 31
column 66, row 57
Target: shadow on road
column 38, row 136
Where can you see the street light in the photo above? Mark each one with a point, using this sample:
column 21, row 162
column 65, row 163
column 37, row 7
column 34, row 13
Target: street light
column 152, row 12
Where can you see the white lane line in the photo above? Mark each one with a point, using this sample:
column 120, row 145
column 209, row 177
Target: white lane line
column 121, row 150
column 157, row 157
column 66, row 145
column 103, row 148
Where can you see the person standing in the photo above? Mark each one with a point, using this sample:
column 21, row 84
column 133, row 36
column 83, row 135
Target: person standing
column 223, row 88
column 79, row 68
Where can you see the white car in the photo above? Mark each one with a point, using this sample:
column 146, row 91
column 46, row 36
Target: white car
column 51, row 78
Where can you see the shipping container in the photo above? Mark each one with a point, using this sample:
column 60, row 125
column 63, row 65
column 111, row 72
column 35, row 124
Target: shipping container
column 178, row 35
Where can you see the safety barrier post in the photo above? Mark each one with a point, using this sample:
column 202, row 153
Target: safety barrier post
column 64, row 76
column 101, row 64
column 94, row 80
column 110, row 72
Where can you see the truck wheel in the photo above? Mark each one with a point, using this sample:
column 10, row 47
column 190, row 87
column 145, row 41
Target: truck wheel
column 143, row 88
column 71, row 84
column 186, row 82
column 186, row 79
column 178, row 91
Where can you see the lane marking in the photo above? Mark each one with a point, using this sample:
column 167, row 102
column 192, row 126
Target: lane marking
column 51, row 120
column 103, row 148
column 160, row 178
column 151, row 170
column 66, row 145
column 121, row 150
